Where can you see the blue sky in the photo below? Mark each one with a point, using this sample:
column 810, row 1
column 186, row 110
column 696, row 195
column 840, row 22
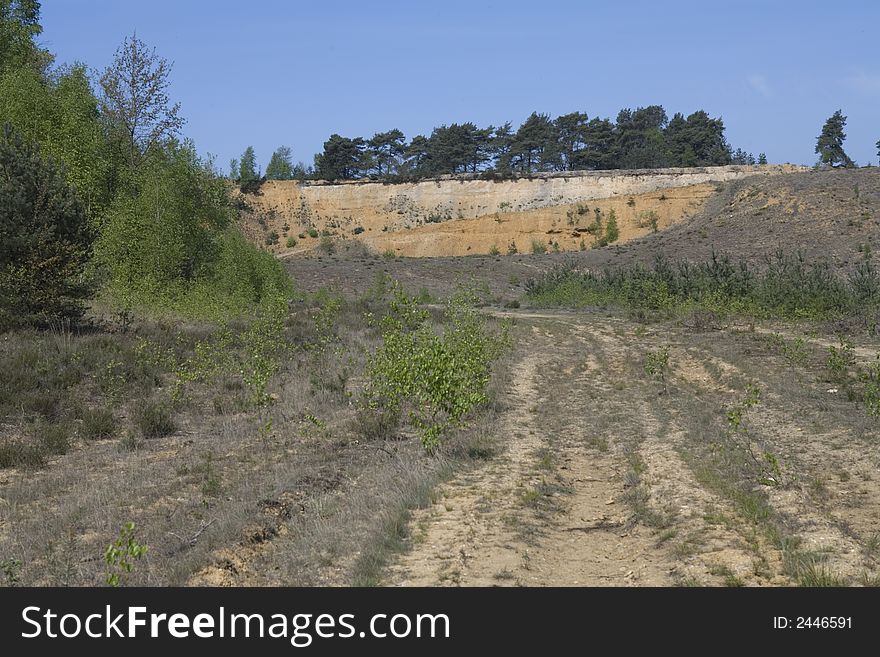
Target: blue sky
column 273, row 72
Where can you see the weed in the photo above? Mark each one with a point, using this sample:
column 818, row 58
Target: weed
column 121, row 554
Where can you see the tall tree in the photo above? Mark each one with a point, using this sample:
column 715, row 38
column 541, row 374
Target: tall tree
column 640, row 140
column 234, row 169
column 500, row 146
column 534, row 143
column 762, row 158
column 387, row 150
column 878, row 147
column 46, row 237
column 571, row 130
column 342, row 158
column 416, row 155
column 247, row 169
column 19, row 27
column 135, row 99
column 829, row 144
column 280, row 165
column 600, row 146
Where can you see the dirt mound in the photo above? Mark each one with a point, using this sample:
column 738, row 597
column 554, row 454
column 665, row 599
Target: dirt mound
column 829, row 215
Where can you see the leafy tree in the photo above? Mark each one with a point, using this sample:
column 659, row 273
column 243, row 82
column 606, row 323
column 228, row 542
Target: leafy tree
column 829, row 144
column 45, row 238
column 387, row 149
column 135, row 99
column 247, row 168
column 342, row 158
column 280, row 165
column 60, row 113
column 164, row 231
column 19, row 26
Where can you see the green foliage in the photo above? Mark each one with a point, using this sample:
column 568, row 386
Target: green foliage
column 612, row 233
column 829, row 144
column 840, row 359
column 46, row 238
column 280, row 165
column 168, row 243
column 539, row 247
column 436, row 378
column 97, row 424
column 121, row 554
column 135, row 103
column 154, row 419
column 786, row 287
column 247, row 169
column 291, row 242
column 11, row 571
column 657, row 363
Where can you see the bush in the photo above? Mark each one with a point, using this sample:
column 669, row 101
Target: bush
column 436, row 378
column 97, row 423
column 154, row 420
column 538, row 247
column 46, row 239
column 291, row 242
column 313, row 233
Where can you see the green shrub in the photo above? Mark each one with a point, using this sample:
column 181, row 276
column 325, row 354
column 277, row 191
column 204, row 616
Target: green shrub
column 291, row 242
column 154, row 419
column 97, row 423
column 46, row 238
column 539, row 247
column 436, row 378
column 313, row 232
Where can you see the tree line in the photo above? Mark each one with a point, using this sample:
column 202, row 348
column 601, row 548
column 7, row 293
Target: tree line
column 101, row 194
column 643, row 138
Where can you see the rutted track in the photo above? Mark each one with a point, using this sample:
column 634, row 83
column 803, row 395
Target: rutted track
column 599, row 481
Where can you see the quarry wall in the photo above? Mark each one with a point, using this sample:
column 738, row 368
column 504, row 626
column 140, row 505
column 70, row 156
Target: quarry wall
column 471, row 196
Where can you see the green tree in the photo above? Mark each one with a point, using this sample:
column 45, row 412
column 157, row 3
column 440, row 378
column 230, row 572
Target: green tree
column 135, row 100
column 19, row 26
column 600, row 149
column 341, row 159
column 387, row 150
column 534, row 143
column 280, row 165
column 247, row 168
column 164, row 232
column 60, row 113
column 829, row 144
column 572, row 132
column 878, row 147
column 234, row 169
column 416, row 155
column 762, row 158
column 45, row 238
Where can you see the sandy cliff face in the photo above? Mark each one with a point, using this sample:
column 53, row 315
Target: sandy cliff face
column 470, row 214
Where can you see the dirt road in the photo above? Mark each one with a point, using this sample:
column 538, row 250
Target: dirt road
column 614, row 476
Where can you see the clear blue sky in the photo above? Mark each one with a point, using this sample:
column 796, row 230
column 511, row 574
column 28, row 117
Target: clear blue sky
column 270, row 72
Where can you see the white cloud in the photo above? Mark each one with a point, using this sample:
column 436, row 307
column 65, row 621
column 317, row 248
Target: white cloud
column 759, row 83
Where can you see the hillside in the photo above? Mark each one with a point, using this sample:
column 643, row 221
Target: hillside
column 823, row 214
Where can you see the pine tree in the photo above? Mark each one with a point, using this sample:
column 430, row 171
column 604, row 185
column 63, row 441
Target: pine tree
column 46, row 238
column 762, row 158
column 247, row 170
column 280, row 165
column 829, row 144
